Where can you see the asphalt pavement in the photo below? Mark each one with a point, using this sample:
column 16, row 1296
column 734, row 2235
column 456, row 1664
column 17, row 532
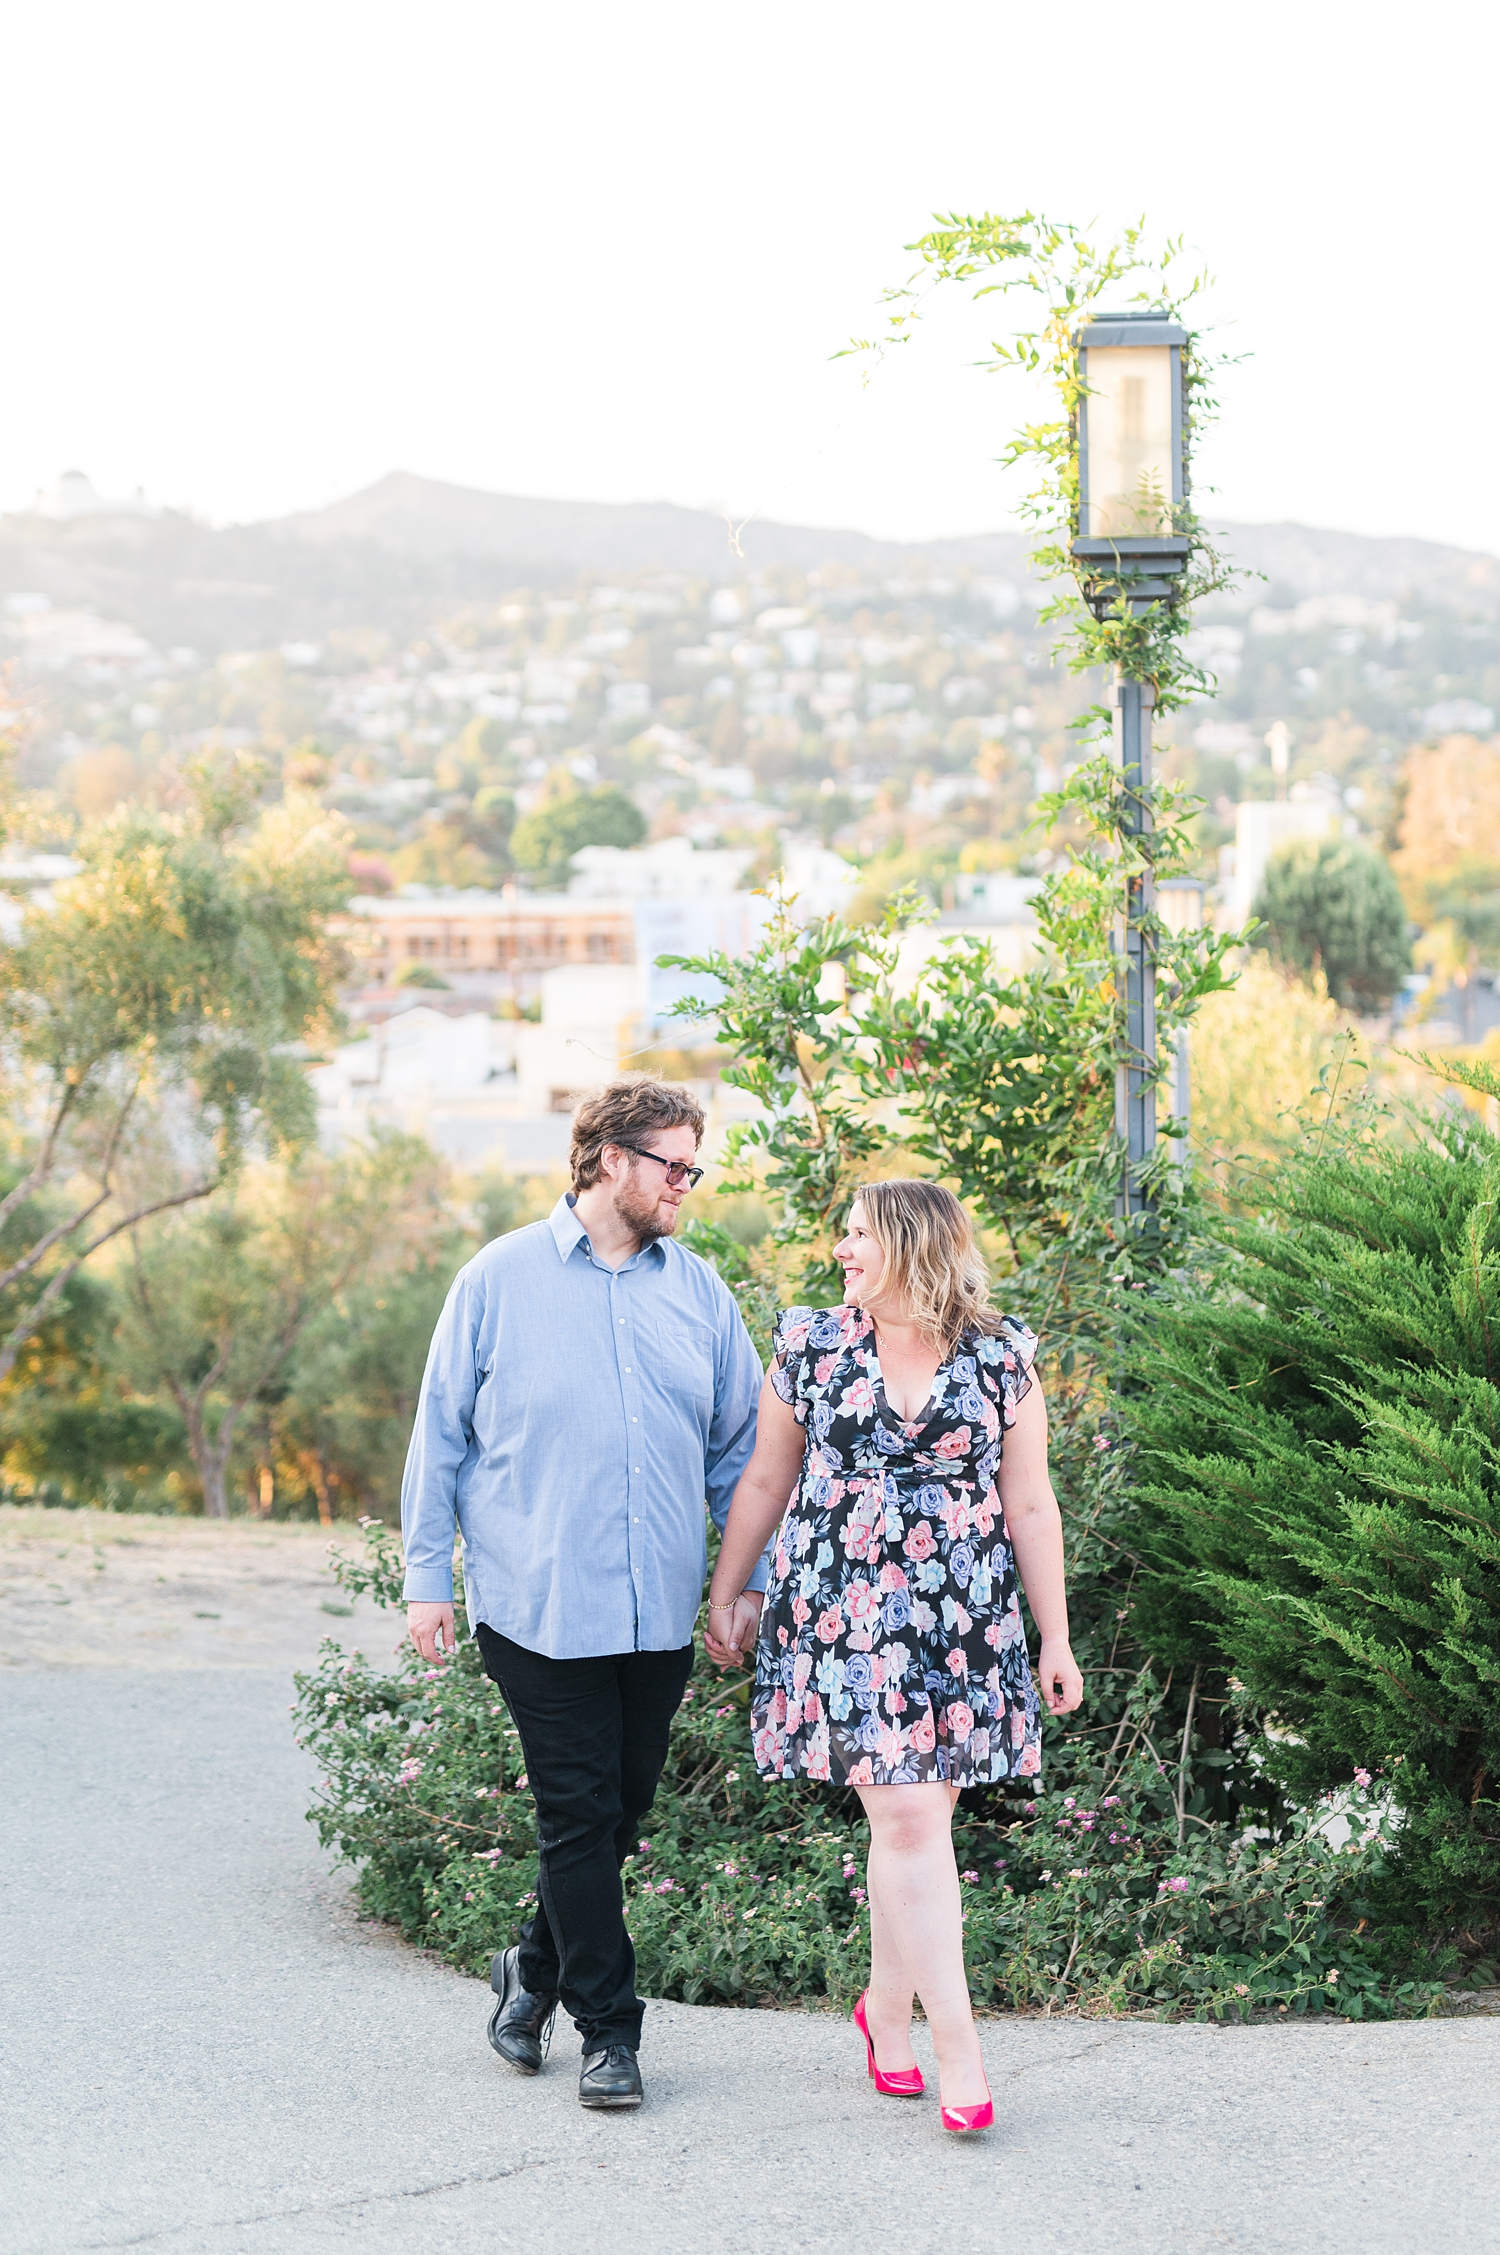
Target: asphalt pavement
column 204, row 2050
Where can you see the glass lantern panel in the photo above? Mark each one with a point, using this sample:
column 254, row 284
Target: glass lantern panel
column 1180, row 905
column 1129, row 411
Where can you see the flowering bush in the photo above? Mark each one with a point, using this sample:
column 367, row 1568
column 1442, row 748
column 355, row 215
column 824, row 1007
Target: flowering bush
column 744, row 1892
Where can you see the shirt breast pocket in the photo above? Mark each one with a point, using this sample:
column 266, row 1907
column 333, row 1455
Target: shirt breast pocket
column 686, row 1353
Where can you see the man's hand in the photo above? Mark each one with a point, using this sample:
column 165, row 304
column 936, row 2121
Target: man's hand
column 729, row 1636
column 431, row 1628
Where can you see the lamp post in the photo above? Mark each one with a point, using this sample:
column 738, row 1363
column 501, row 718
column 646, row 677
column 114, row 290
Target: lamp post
column 1132, row 484
column 1179, row 904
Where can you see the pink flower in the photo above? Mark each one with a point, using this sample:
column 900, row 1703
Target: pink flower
column 1030, row 1764
column 919, row 1543
column 893, row 1576
column 890, row 1746
column 862, row 1773
column 960, row 1720
column 958, row 1661
column 801, row 1611
column 1362, row 1778
column 860, row 1397
column 856, row 1538
column 823, row 1370
column 812, row 1707
column 830, row 1624
column 861, row 1601
column 923, row 1734
column 954, row 1444
column 957, row 1517
column 969, row 1878
column 1173, row 1887
column 801, row 1670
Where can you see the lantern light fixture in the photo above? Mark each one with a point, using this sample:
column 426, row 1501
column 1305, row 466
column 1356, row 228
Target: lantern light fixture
column 1132, row 459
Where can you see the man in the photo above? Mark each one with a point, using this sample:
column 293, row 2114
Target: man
column 589, row 1384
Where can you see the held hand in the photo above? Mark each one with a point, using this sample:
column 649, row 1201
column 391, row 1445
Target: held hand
column 431, row 1630
column 1058, row 1678
column 729, row 1636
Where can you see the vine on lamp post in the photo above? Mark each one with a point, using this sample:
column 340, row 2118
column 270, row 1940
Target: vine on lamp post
column 1116, row 534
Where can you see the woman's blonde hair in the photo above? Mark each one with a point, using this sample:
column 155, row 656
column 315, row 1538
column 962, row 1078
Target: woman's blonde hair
column 933, row 1268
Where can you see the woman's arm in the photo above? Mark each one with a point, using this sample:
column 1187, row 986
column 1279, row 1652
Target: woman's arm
column 1034, row 1524
column 759, row 1501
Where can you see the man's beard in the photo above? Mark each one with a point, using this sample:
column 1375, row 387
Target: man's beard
column 640, row 1213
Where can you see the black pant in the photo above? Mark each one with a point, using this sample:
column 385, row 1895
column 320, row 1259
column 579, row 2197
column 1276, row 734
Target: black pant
column 594, row 1734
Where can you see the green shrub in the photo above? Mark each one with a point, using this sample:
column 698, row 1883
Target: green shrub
column 1107, row 1894
column 1335, row 907
column 1319, row 1439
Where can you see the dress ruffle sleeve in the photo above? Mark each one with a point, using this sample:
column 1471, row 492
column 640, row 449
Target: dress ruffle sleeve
column 1010, row 1353
column 789, row 1352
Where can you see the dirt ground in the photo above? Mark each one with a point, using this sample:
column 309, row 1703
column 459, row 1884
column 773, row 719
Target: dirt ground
column 110, row 1590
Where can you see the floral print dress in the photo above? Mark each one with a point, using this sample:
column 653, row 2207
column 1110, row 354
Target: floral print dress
column 891, row 1646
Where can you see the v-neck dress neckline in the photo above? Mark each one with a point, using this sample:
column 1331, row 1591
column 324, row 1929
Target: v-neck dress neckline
column 910, row 1428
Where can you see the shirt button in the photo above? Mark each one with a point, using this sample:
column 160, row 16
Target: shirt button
column 622, row 1320
column 635, row 1421
column 627, row 1370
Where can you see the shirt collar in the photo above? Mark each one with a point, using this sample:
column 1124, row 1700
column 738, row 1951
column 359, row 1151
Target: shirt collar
column 568, row 1232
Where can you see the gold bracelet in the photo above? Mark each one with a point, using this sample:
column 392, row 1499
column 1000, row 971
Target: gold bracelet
column 729, row 1608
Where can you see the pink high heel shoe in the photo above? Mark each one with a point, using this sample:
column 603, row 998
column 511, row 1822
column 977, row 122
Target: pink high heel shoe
column 906, row 2082
column 964, row 2118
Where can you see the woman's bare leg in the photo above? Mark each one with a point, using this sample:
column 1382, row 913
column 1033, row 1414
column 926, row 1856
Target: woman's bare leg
column 914, row 1879
column 892, row 1991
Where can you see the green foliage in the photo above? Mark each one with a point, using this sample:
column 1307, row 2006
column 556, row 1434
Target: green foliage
column 1335, row 907
column 545, row 841
column 1318, row 1423
column 747, row 1892
column 1058, row 264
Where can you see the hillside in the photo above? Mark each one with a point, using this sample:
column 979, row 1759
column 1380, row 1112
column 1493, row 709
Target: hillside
column 408, row 550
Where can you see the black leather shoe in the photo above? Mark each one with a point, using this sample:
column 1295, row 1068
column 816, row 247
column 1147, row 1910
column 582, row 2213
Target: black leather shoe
column 521, row 2024
column 610, row 2077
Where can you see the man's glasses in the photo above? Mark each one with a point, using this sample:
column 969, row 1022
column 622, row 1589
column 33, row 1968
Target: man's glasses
column 678, row 1170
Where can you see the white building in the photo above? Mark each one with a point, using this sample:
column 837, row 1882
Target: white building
column 671, row 869
column 1261, row 828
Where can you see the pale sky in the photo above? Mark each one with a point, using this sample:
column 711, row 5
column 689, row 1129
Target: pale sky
column 258, row 255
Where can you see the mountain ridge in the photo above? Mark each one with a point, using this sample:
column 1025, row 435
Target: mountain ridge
column 399, row 553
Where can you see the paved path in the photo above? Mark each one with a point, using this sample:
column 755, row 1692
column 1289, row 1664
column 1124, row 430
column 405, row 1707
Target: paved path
column 203, row 2050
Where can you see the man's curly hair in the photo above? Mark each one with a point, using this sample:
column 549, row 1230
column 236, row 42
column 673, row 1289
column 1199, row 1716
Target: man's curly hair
column 629, row 1111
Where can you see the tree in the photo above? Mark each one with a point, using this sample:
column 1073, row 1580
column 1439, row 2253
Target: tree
column 1334, row 906
column 218, row 1303
column 147, row 1020
column 1450, row 825
column 1318, row 1517
column 545, row 841
column 1448, row 860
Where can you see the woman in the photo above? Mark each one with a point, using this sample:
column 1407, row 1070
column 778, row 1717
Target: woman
column 892, row 1656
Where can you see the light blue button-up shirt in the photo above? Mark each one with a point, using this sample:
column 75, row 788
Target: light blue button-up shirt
column 576, row 1418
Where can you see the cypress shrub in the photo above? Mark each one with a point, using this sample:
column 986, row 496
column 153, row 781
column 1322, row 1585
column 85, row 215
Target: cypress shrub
column 1318, row 1450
